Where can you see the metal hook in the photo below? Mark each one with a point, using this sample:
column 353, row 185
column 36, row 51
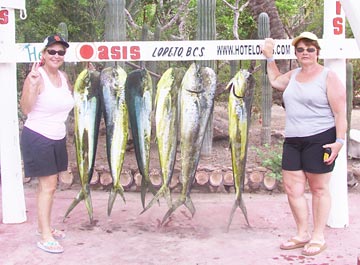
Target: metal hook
column 23, row 14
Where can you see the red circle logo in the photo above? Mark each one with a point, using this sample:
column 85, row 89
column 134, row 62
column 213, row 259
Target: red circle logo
column 86, row 51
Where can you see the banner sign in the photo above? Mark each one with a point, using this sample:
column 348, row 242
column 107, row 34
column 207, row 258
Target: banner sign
column 16, row 4
column 175, row 51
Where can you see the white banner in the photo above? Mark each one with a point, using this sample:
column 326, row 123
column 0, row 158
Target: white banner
column 16, row 4
column 175, row 50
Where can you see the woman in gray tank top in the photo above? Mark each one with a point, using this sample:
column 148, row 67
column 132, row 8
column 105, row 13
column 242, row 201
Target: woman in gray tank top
column 315, row 105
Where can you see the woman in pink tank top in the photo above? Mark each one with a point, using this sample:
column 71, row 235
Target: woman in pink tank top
column 46, row 100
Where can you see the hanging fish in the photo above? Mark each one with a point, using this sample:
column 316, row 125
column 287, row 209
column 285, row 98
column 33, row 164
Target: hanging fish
column 167, row 117
column 197, row 103
column 112, row 82
column 87, row 114
column 138, row 96
column 238, row 137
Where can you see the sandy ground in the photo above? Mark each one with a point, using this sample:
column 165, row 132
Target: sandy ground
column 126, row 237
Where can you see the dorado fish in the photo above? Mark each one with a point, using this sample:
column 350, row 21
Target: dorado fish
column 197, row 102
column 138, row 96
column 238, row 137
column 87, row 114
column 166, row 120
column 112, row 82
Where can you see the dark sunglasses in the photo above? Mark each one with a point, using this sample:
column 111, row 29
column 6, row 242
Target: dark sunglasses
column 310, row 50
column 53, row 52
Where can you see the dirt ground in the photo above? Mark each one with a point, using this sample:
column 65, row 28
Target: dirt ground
column 128, row 238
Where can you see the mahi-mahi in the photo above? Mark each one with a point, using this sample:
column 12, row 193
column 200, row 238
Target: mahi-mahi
column 112, row 82
column 87, row 114
column 197, row 102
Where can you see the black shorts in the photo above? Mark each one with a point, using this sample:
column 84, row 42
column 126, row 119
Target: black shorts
column 307, row 153
column 41, row 155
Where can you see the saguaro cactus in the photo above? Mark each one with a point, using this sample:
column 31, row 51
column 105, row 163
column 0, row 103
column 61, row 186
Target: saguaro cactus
column 349, row 95
column 206, row 30
column 266, row 95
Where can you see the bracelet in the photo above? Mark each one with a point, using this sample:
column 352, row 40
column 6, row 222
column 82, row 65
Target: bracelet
column 269, row 60
column 339, row 140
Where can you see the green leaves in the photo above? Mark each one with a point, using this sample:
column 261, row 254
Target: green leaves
column 271, row 157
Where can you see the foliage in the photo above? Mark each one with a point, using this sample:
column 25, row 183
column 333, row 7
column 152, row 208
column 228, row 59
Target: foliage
column 84, row 18
column 225, row 20
column 271, row 157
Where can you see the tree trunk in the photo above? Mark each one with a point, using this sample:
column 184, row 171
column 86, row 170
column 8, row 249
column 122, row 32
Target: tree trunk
column 207, row 31
column 115, row 24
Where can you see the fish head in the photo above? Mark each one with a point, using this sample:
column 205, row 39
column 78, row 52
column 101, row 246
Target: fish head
column 238, row 84
column 192, row 78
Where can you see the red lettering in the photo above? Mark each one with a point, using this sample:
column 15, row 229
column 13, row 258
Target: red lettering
column 338, row 25
column 124, row 52
column 135, row 52
column 115, row 53
column 338, row 8
column 103, row 53
column 4, row 16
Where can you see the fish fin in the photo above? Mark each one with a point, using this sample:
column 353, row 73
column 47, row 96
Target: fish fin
column 112, row 196
column 243, row 209
column 88, row 203
column 189, row 204
column 84, row 194
column 181, row 201
column 143, row 191
column 146, row 184
column 79, row 197
column 241, row 205
column 172, row 209
column 163, row 191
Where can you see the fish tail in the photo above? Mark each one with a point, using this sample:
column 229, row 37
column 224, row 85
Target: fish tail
column 189, row 204
column 143, row 191
column 172, row 209
column 238, row 203
column 89, row 206
column 84, row 194
column 112, row 196
column 146, row 184
column 75, row 202
column 163, row 191
column 181, row 201
column 243, row 209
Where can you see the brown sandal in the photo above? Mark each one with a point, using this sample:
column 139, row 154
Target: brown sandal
column 295, row 244
column 321, row 246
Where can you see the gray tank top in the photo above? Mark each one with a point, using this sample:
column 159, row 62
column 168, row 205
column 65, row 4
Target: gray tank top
column 307, row 107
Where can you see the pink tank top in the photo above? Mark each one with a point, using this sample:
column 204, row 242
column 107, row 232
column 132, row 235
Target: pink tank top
column 51, row 109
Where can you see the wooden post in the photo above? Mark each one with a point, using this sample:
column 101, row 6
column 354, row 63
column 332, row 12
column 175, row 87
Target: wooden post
column 13, row 201
column 334, row 29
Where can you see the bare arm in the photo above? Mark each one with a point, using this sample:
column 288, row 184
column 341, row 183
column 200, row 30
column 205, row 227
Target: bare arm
column 276, row 78
column 336, row 93
column 31, row 89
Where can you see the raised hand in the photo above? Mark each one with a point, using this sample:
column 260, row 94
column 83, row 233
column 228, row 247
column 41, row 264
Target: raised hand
column 268, row 47
column 34, row 75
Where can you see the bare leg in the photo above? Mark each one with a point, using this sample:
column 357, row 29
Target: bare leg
column 294, row 183
column 46, row 189
column 321, row 203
